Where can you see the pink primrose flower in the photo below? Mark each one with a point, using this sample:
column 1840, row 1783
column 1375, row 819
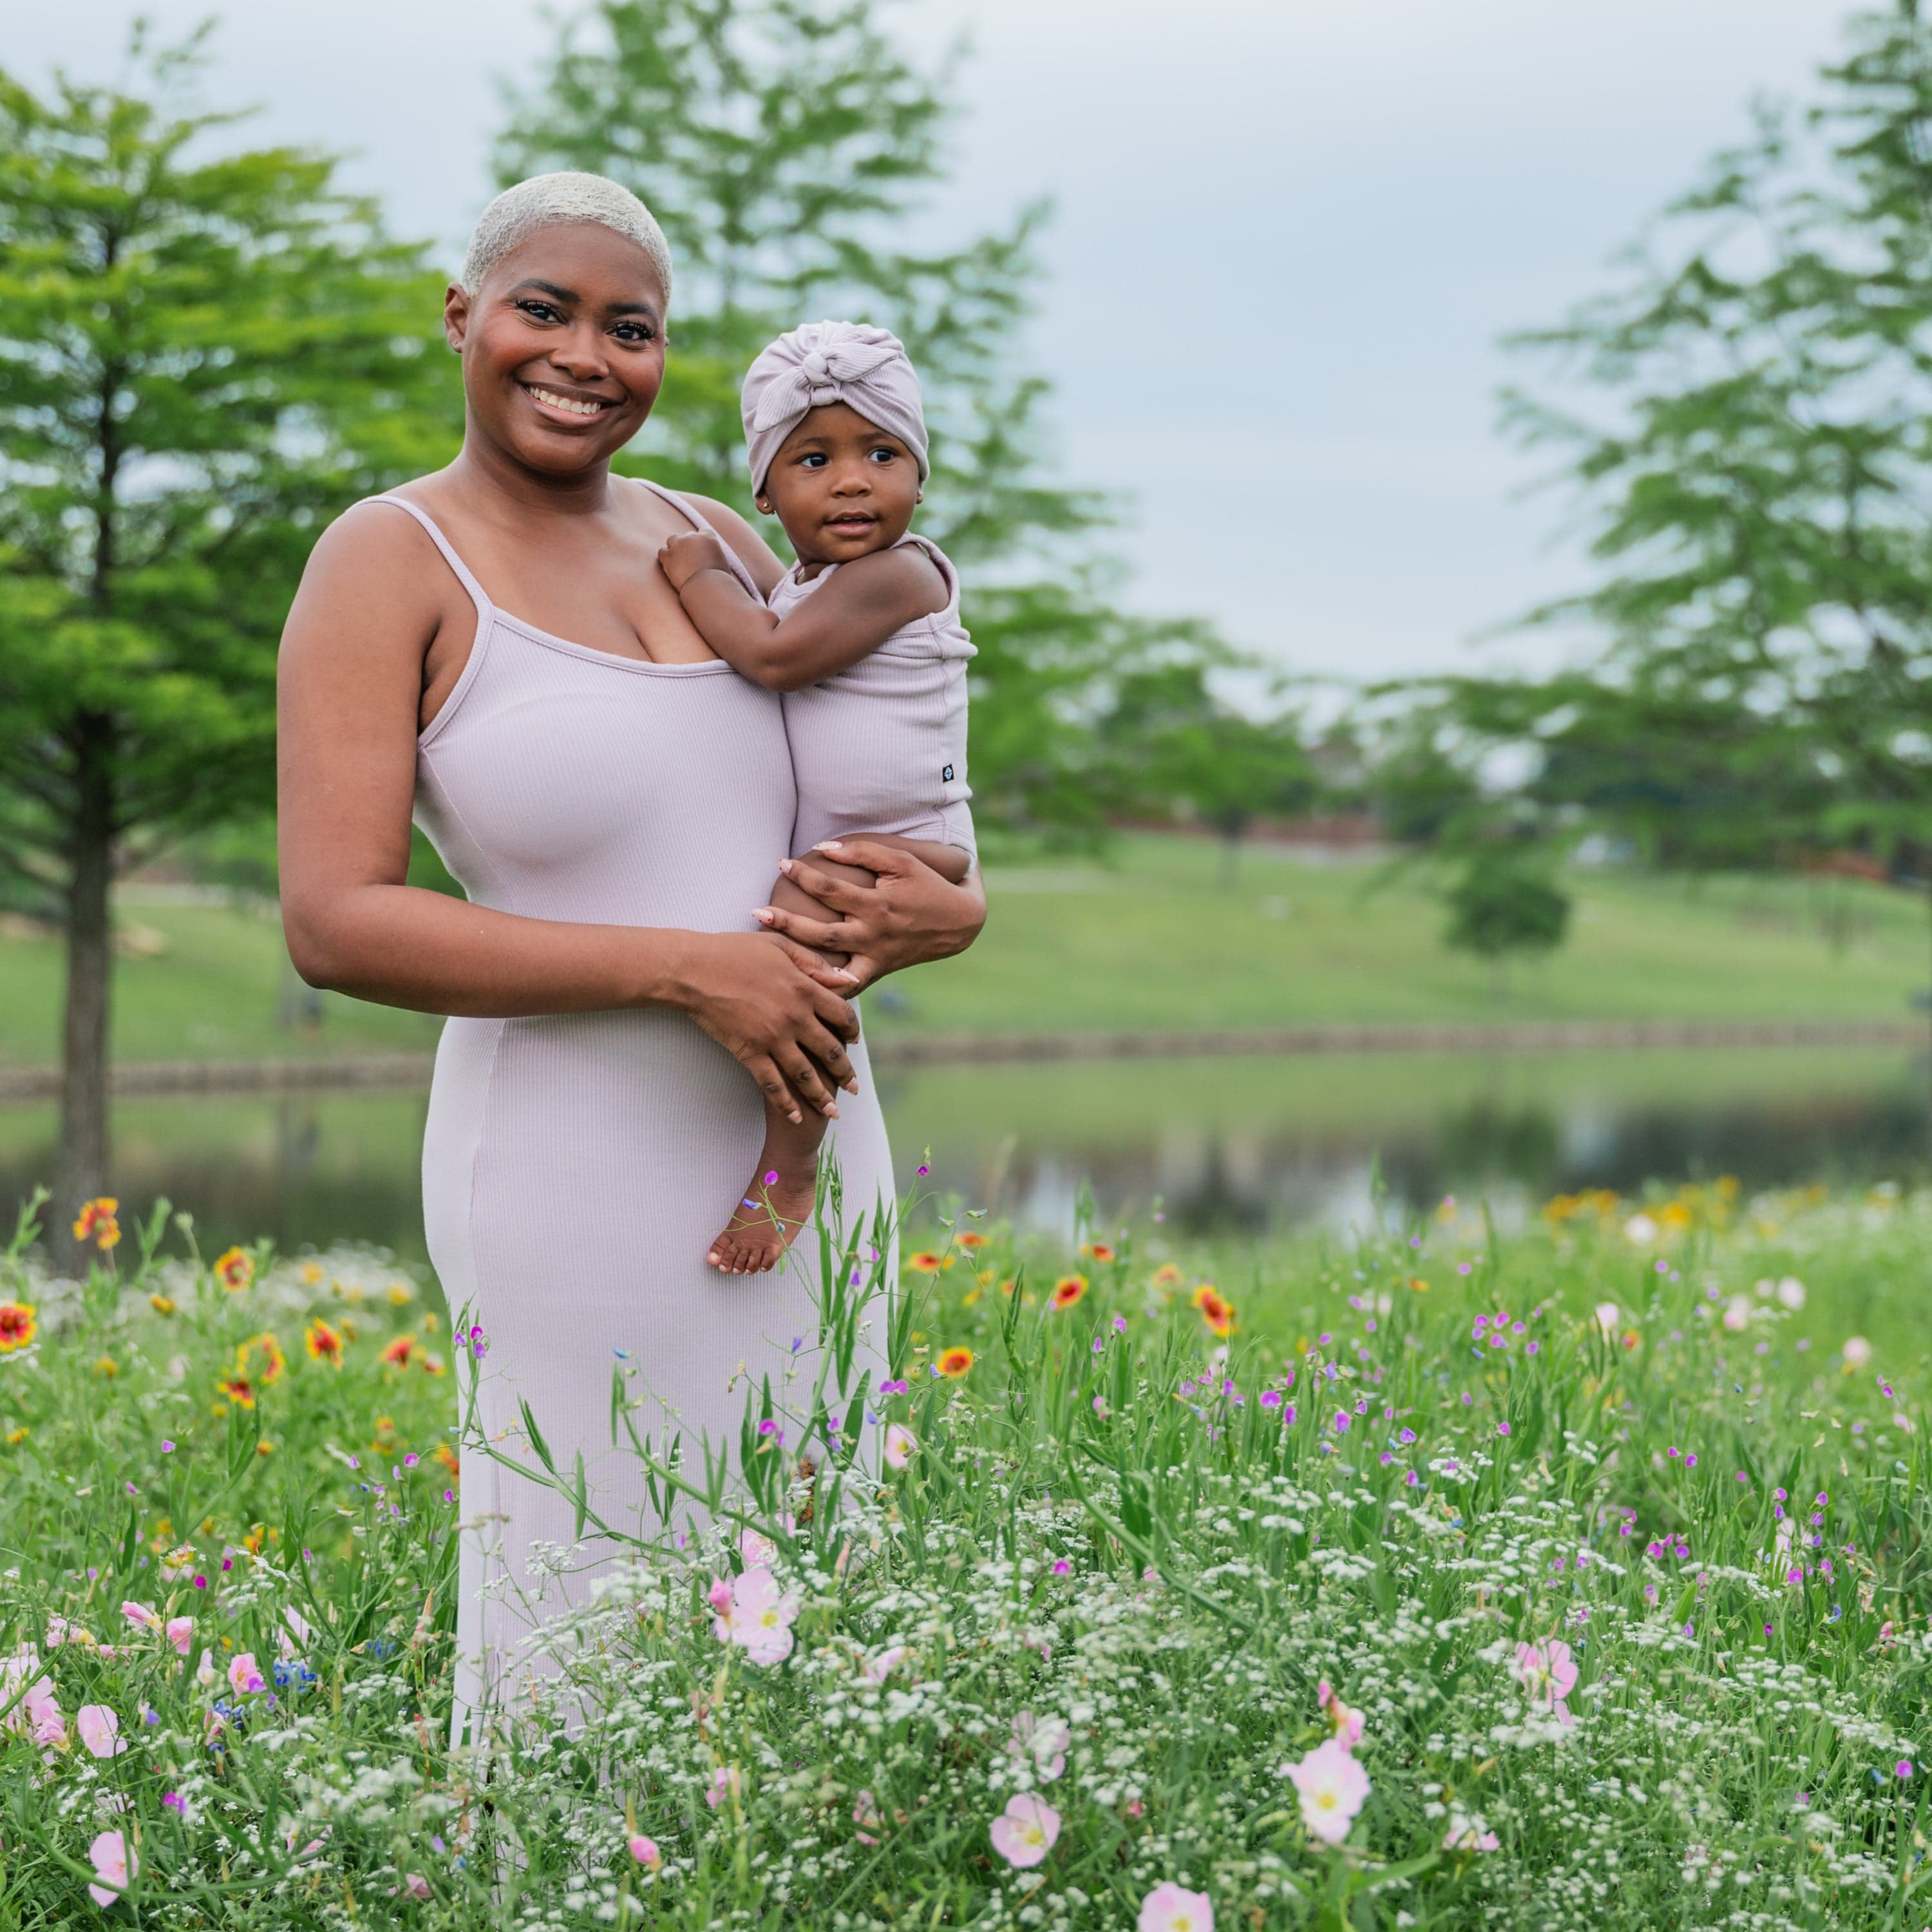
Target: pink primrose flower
column 180, row 1633
column 760, row 1618
column 1546, row 1672
column 900, row 1444
column 114, row 1864
column 1041, row 1740
column 243, row 1674
column 645, row 1851
column 100, row 1729
column 1025, row 1832
column 1347, row 1723
column 142, row 1615
column 1333, row 1787
column 1171, row 1908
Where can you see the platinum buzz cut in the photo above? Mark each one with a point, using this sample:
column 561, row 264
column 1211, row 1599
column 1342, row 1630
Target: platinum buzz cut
column 548, row 201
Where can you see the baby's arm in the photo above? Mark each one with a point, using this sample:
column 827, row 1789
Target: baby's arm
column 830, row 630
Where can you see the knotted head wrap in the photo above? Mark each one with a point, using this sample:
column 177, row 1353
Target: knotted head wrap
column 850, row 362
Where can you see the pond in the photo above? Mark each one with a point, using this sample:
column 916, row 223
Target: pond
column 1219, row 1146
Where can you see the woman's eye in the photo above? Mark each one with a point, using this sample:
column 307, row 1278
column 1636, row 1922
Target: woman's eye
column 633, row 331
column 540, row 311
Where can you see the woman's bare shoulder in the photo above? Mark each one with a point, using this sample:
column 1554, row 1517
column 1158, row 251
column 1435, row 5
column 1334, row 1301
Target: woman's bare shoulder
column 380, row 560
column 755, row 554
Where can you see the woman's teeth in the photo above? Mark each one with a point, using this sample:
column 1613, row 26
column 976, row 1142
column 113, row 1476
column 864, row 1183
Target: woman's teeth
column 571, row 404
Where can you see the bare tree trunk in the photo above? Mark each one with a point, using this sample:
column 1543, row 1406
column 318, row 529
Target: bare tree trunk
column 81, row 1171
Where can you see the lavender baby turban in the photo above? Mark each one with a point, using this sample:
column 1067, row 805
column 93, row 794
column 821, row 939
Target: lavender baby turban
column 850, row 362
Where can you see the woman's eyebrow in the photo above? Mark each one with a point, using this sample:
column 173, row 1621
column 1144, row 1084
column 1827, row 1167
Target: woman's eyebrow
column 546, row 288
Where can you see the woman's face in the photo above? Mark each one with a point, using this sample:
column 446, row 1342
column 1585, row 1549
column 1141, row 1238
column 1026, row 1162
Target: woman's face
column 562, row 347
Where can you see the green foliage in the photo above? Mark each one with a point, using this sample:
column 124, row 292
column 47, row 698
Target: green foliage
column 202, row 358
column 1504, row 904
column 204, row 355
column 1758, row 468
column 1523, row 1505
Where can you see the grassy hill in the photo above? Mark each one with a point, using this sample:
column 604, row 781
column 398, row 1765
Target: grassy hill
column 1152, row 937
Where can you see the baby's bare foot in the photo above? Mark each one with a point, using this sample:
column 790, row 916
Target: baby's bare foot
column 775, row 1207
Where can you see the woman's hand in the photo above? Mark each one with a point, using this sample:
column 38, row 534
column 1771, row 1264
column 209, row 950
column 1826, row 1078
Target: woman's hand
column 766, row 1001
column 907, row 916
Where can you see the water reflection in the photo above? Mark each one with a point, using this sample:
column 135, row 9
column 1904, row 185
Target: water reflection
column 1220, row 1147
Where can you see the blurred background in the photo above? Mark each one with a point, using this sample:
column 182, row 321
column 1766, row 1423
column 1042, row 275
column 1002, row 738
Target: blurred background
column 1443, row 493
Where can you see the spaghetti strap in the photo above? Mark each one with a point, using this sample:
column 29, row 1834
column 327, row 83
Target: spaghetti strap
column 700, row 520
column 484, row 609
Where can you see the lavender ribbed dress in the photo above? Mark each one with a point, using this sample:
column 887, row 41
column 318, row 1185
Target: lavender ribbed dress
column 576, row 1169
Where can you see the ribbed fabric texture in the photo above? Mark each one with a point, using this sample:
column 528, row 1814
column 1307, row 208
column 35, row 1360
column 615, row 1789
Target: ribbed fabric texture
column 882, row 747
column 575, row 1168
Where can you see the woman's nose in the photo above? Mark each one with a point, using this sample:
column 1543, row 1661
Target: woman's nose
column 581, row 354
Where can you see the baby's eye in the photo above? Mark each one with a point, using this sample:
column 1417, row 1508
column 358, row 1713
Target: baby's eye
column 881, row 454
column 814, row 459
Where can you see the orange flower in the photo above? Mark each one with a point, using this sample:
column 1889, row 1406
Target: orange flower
column 953, row 1363
column 234, row 1270
column 18, row 1326
column 447, row 1457
column 95, row 1222
column 323, row 1343
column 1067, row 1290
column 430, row 1365
column 239, row 1390
column 397, row 1354
column 273, row 1361
column 1100, row 1252
column 1219, row 1314
column 1167, row 1275
column 970, row 1240
column 926, row 1264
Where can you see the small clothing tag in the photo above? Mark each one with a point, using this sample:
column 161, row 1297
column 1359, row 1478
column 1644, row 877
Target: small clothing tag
column 947, row 774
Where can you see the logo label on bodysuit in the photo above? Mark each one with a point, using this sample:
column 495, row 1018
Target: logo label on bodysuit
column 947, row 774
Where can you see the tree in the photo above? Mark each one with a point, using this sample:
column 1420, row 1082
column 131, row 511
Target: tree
column 1178, row 746
column 1504, row 904
column 784, row 147
column 202, row 358
column 1760, row 477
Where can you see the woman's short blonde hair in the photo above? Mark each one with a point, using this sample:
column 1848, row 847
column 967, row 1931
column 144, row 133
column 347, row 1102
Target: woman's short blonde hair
column 546, row 201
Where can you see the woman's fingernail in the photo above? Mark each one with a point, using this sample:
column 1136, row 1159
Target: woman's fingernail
column 764, row 915
column 785, row 866
column 795, row 1117
column 851, row 1086
column 827, row 845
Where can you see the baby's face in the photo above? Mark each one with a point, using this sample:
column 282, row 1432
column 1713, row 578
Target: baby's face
column 841, row 487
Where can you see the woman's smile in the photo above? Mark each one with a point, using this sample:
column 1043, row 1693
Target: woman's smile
column 563, row 407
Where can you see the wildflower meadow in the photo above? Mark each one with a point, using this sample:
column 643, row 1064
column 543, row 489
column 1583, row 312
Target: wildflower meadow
column 1435, row 1578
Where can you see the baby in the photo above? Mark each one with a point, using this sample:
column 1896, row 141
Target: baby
column 863, row 638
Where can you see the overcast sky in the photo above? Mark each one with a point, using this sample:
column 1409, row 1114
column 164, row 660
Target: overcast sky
column 1289, row 234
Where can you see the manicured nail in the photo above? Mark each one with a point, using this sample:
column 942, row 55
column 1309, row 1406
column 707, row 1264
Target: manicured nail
column 795, row 1117
column 764, row 915
column 827, row 845
column 851, row 1086
column 785, row 866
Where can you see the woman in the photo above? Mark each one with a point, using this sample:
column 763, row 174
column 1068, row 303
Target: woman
column 615, row 802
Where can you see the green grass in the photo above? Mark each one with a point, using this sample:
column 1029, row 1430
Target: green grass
column 1154, row 939
column 1564, row 1582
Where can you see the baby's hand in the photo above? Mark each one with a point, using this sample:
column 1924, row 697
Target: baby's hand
column 683, row 556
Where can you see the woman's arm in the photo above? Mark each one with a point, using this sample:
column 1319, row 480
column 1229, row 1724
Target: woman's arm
column 908, row 916
column 832, row 629
column 373, row 607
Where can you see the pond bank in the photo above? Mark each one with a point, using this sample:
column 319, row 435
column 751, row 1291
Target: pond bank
column 412, row 1070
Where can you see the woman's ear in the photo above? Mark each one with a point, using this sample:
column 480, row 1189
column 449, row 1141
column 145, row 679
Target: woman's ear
column 455, row 316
